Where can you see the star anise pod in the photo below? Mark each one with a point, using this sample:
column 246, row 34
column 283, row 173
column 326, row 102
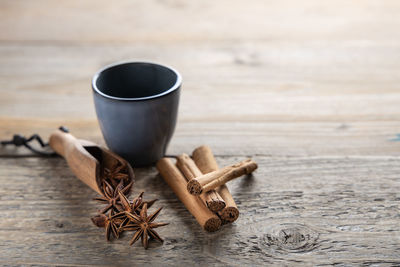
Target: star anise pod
column 128, row 205
column 115, row 175
column 111, row 195
column 111, row 222
column 143, row 225
column 116, row 172
column 135, row 206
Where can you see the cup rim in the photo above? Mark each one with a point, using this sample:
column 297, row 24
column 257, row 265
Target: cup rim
column 100, row 71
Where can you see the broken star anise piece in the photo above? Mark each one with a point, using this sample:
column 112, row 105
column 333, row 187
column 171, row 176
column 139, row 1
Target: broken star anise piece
column 143, row 225
column 111, row 196
column 111, row 222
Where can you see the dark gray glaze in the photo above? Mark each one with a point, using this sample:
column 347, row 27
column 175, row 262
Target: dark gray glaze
column 137, row 105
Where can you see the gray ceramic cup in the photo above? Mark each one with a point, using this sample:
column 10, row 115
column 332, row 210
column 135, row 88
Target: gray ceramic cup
column 137, row 105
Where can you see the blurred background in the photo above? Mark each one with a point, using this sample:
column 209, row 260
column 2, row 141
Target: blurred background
column 291, row 77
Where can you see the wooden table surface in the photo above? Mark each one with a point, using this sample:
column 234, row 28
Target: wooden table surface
column 309, row 89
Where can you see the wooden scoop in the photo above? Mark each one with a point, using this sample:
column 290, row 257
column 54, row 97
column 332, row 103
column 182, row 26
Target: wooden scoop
column 87, row 160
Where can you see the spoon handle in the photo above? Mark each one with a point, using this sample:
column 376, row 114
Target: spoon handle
column 82, row 163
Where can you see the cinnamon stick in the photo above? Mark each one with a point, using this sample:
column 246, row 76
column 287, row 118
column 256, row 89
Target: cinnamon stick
column 174, row 178
column 205, row 161
column 217, row 178
column 211, row 198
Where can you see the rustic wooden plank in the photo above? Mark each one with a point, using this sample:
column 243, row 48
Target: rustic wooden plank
column 293, row 210
column 127, row 21
column 373, row 138
column 265, row 81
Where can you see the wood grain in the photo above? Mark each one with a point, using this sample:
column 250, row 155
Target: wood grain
column 309, row 90
column 294, row 210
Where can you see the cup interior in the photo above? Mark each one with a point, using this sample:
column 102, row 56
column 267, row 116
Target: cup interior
column 135, row 80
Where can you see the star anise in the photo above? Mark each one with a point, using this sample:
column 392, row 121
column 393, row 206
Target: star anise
column 133, row 207
column 116, row 172
column 111, row 222
column 113, row 174
column 143, row 225
column 136, row 204
column 111, row 195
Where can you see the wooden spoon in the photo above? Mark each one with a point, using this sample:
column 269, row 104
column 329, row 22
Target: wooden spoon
column 87, row 160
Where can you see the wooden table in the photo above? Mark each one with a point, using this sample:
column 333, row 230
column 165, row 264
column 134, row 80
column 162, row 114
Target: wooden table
column 309, row 89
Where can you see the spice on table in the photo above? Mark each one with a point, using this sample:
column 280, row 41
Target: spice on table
column 134, row 206
column 143, row 225
column 219, row 177
column 132, row 217
column 109, row 175
column 205, row 161
column 111, row 222
column 202, row 176
column 208, row 220
column 111, row 196
column 189, row 169
column 116, row 216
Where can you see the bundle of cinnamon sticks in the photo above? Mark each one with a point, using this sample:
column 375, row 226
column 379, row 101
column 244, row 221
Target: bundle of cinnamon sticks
column 200, row 185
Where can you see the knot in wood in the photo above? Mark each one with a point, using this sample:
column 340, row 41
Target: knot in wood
column 292, row 238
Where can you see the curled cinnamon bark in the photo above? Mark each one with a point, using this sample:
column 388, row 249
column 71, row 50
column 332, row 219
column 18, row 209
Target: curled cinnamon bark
column 174, row 178
column 217, row 178
column 211, row 198
column 205, row 161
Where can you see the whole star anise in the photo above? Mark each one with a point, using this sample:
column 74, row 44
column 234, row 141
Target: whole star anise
column 143, row 225
column 111, row 195
column 111, row 222
column 136, row 204
column 115, row 173
column 133, row 207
